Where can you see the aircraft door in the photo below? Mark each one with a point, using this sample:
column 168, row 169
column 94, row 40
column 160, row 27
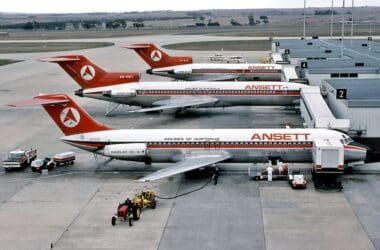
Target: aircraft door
column 285, row 91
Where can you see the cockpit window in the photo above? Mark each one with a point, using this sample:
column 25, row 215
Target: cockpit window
column 348, row 140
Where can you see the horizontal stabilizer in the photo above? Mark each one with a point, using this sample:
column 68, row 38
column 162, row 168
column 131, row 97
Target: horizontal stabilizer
column 41, row 100
column 136, row 46
column 68, row 115
column 59, row 59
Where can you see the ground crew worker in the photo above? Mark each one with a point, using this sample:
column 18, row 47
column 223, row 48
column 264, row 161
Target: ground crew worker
column 216, row 175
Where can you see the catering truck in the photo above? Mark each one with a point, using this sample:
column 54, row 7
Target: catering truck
column 328, row 156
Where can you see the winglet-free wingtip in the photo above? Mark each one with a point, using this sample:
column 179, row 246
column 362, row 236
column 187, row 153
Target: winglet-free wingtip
column 60, row 59
column 136, row 46
column 142, row 180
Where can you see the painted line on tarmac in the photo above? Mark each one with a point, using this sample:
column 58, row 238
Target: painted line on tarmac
column 72, row 173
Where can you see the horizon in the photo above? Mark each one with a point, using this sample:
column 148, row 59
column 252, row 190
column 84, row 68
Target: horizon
column 117, row 6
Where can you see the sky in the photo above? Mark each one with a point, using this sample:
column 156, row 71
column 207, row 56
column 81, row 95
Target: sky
column 77, row 6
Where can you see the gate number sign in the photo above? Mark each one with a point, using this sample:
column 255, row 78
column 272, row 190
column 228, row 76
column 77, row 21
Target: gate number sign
column 341, row 94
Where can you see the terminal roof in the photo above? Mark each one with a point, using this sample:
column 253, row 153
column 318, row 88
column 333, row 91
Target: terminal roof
column 360, row 92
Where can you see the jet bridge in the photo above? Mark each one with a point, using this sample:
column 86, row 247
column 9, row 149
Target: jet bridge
column 317, row 114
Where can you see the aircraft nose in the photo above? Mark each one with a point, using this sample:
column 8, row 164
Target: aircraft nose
column 357, row 144
column 79, row 92
column 149, row 71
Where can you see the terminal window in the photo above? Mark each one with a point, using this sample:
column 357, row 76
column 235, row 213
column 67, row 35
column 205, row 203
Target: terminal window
column 344, row 75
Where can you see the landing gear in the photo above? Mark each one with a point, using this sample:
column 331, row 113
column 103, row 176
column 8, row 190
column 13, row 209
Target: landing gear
column 148, row 161
column 329, row 182
column 349, row 170
column 111, row 107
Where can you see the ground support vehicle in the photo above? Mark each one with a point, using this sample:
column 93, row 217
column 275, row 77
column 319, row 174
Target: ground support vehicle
column 127, row 211
column 297, row 181
column 145, row 200
column 19, row 159
column 272, row 173
column 39, row 164
column 64, row 158
column 131, row 210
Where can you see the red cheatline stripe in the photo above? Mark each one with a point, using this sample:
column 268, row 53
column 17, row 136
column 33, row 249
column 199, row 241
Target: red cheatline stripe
column 217, row 146
column 222, row 93
column 204, row 146
column 203, row 93
column 231, row 146
column 354, row 148
column 227, row 71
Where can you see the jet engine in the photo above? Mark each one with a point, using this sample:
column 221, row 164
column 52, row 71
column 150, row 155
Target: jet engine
column 120, row 93
column 125, row 151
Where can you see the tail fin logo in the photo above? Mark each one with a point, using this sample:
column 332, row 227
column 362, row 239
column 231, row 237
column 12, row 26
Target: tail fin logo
column 87, row 72
column 156, row 55
column 70, row 117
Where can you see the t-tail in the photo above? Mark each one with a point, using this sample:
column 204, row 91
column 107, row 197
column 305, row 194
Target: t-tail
column 89, row 75
column 68, row 115
column 155, row 57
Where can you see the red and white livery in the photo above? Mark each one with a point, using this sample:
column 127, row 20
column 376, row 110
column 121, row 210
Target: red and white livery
column 89, row 75
column 183, row 68
column 156, row 96
column 187, row 149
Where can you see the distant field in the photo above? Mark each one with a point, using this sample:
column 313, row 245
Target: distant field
column 235, row 45
column 49, row 46
column 283, row 29
column 7, row 61
column 51, row 35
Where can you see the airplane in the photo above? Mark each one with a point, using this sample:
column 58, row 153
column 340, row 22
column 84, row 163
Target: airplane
column 89, row 75
column 218, row 57
column 158, row 96
column 187, row 149
column 183, row 68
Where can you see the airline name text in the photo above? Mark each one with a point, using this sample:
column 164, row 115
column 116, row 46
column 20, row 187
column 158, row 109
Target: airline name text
column 280, row 136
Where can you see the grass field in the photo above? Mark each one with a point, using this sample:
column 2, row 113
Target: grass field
column 235, row 45
column 271, row 30
column 49, row 46
column 7, row 61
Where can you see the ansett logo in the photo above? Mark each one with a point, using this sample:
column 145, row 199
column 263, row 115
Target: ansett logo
column 87, row 72
column 70, row 117
column 156, row 55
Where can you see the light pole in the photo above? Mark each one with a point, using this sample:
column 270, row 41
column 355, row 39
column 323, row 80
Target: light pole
column 352, row 21
column 332, row 19
column 342, row 38
column 304, row 19
column 370, row 34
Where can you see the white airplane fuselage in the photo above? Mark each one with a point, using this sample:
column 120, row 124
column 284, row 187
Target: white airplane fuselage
column 243, row 145
column 221, row 71
column 145, row 94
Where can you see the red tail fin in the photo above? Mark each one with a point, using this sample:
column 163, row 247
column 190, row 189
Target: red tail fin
column 89, row 75
column 156, row 57
column 69, row 117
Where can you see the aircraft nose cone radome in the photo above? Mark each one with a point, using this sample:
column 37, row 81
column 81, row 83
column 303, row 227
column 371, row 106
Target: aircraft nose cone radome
column 149, row 71
column 79, row 92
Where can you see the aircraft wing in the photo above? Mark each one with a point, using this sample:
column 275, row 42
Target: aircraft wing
column 189, row 163
column 182, row 102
